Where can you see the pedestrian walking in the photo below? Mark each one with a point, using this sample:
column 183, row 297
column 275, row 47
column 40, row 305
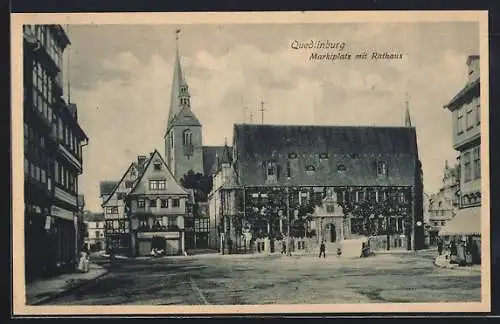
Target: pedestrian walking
column 229, row 245
column 339, row 252
column 322, row 249
column 283, row 247
column 440, row 246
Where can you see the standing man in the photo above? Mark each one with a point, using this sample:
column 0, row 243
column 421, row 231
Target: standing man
column 440, row 246
column 322, row 249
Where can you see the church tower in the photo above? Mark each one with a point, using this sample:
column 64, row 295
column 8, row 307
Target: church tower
column 183, row 135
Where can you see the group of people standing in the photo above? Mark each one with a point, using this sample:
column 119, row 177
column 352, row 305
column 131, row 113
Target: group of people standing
column 461, row 252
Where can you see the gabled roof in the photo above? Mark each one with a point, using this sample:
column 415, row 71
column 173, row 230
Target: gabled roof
column 355, row 148
column 117, row 185
column 106, row 187
column 469, row 87
column 185, row 117
column 210, row 163
column 172, row 186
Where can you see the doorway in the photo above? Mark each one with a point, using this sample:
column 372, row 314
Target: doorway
column 333, row 234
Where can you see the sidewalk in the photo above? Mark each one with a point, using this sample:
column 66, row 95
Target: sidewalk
column 44, row 290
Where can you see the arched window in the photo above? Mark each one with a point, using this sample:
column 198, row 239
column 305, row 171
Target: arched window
column 187, row 138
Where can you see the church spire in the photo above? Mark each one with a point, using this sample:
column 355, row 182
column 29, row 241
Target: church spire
column 407, row 112
column 179, row 96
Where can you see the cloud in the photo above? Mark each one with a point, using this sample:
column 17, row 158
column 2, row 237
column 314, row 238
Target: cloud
column 123, row 88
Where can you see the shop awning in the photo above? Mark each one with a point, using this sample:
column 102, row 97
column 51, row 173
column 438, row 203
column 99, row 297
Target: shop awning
column 467, row 221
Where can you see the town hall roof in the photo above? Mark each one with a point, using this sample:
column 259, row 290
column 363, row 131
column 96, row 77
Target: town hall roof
column 339, row 155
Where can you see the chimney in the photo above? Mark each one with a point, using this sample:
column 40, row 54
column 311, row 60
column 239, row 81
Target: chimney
column 473, row 67
column 141, row 160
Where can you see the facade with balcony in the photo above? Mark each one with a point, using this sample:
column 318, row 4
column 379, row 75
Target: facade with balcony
column 465, row 107
column 157, row 207
column 53, row 142
column 117, row 226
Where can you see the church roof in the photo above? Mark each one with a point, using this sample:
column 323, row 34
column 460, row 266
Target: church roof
column 185, row 117
column 326, row 150
column 177, row 81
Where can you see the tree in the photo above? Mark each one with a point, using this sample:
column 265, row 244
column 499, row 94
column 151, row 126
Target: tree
column 201, row 184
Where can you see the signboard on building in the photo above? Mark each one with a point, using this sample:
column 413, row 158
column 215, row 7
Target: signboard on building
column 61, row 213
column 167, row 235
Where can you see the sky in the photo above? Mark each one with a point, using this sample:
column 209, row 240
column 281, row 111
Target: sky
column 120, row 77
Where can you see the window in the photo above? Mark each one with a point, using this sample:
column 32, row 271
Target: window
column 26, row 136
column 288, row 169
column 270, row 170
column 323, row 156
column 43, row 176
column 112, row 210
column 157, row 184
column 157, row 166
column 56, row 172
column 187, row 138
column 164, row 203
column 310, row 169
column 460, row 121
column 341, row 168
column 440, row 203
column 26, row 166
column 330, row 208
column 292, row 155
column 141, row 203
column 382, row 168
column 119, row 195
column 469, row 122
column 60, row 127
column 152, row 203
column 128, row 184
column 175, row 203
column 477, row 163
column 172, row 221
column 172, row 139
column 478, row 114
column 467, row 167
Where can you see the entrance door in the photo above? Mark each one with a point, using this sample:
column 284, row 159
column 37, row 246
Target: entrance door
column 333, row 234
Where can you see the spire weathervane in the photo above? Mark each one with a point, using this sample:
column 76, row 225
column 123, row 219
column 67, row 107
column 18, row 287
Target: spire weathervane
column 407, row 112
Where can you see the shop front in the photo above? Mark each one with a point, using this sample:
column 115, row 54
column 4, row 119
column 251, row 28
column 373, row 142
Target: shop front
column 61, row 227
column 170, row 242
column 463, row 236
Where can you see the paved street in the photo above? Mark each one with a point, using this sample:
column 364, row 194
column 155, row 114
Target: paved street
column 216, row 279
